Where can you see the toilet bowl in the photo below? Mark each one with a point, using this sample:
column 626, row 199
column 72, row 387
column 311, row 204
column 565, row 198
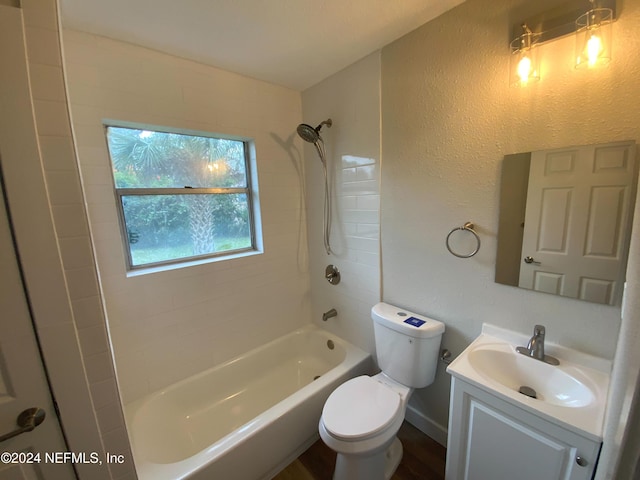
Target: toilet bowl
column 361, row 417
column 360, row 420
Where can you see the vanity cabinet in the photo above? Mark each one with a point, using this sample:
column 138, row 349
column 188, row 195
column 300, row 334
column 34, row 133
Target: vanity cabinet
column 490, row 438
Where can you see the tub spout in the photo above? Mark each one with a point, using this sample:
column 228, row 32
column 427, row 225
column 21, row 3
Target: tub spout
column 327, row 315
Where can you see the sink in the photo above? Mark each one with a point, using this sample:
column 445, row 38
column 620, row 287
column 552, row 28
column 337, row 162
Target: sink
column 499, row 363
column 573, row 393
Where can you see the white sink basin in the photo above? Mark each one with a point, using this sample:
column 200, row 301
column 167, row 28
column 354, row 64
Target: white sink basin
column 573, row 393
column 499, row 363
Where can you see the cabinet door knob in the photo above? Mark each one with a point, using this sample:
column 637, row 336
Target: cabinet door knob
column 581, row 461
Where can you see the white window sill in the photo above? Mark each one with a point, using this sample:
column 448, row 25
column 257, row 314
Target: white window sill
column 191, row 263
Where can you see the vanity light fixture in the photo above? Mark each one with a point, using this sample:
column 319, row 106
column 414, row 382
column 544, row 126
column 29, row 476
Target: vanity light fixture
column 593, row 37
column 524, row 64
column 592, row 30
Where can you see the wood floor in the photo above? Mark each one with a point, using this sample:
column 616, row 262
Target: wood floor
column 423, row 459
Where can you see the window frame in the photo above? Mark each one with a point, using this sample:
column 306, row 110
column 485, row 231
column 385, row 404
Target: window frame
column 120, row 193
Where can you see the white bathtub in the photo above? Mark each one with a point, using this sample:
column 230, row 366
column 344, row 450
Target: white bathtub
column 247, row 418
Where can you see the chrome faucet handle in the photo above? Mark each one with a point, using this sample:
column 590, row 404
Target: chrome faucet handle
column 332, row 274
column 535, row 347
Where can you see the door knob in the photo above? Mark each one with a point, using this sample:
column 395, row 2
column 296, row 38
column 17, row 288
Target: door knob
column 27, row 421
column 530, row 260
column 581, row 461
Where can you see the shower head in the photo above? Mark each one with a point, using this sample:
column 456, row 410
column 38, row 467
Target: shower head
column 310, row 134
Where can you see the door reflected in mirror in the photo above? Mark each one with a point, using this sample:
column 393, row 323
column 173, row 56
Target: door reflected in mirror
column 565, row 220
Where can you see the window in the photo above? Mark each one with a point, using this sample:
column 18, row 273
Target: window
column 180, row 196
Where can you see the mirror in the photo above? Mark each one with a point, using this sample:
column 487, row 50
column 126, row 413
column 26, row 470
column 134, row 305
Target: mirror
column 565, row 220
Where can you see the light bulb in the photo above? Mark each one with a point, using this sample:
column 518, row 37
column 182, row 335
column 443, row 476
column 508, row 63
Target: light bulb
column 524, row 69
column 593, row 37
column 594, row 49
column 523, row 64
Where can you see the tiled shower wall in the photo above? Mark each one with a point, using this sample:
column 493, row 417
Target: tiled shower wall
column 71, row 327
column 168, row 325
column 351, row 98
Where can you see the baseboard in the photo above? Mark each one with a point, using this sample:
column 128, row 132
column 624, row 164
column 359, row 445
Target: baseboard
column 426, row 425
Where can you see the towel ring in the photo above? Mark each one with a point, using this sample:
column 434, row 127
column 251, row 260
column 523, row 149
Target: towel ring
column 469, row 227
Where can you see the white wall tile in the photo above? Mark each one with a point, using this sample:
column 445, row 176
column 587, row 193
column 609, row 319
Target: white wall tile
column 371, row 230
column 57, row 153
column 110, row 417
column 76, row 252
column 43, row 46
column 93, row 340
column 161, row 324
column 116, row 442
column 47, row 82
column 97, row 175
column 52, row 118
column 99, row 367
column 39, row 13
column 368, row 202
column 368, row 258
column 60, row 343
column 104, row 393
column 82, row 282
column 354, row 161
column 368, row 172
column 87, row 312
column 63, row 187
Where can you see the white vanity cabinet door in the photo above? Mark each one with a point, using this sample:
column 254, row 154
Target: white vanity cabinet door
column 492, row 439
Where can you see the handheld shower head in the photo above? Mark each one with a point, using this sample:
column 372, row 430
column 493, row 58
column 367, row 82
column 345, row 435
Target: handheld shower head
column 310, row 134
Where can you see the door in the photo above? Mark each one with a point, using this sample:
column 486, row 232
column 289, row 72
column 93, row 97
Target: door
column 23, row 382
column 578, row 208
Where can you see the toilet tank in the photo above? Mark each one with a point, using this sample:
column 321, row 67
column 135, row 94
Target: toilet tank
column 407, row 344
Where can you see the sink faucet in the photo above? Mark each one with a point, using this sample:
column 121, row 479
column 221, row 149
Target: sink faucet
column 535, row 347
column 536, row 343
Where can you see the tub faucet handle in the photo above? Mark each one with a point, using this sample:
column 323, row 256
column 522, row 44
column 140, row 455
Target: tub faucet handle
column 332, row 274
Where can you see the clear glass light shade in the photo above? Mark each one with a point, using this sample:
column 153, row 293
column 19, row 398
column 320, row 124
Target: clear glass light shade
column 524, row 65
column 593, row 38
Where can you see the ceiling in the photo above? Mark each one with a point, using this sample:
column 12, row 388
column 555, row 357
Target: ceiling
column 293, row 43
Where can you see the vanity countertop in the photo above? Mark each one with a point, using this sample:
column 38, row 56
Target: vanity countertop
column 573, row 393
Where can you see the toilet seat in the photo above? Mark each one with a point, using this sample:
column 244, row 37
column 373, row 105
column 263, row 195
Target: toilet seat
column 360, row 409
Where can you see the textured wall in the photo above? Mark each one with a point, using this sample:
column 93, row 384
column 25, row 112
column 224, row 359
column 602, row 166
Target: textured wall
column 168, row 325
column 351, row 98
column 448, row 118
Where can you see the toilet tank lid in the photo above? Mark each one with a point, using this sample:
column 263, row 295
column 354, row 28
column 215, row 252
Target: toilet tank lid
column 406, row 322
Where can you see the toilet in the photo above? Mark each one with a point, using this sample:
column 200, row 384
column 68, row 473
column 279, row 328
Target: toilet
column 361, row 417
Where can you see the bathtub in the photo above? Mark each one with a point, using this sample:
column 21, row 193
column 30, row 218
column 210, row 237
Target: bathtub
column 247, row 418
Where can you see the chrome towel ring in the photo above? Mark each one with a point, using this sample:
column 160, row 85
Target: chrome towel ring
column 469, row 227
